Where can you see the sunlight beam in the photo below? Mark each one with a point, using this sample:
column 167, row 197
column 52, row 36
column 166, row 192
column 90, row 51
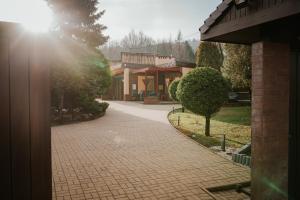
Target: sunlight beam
column 39, row 19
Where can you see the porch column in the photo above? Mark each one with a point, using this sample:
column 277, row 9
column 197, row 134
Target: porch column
column 156, row 83
column 126, row 84
column 185, row 70
column 146, row 84
column 270, row 120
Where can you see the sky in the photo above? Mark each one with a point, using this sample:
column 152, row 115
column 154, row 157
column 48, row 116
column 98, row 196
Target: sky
column 33, row 14
column 156, row 18
column 159, row 19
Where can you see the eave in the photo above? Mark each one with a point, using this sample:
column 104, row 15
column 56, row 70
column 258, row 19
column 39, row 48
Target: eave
column 246, row 29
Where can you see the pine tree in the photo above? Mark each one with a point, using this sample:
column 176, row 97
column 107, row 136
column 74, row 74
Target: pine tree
column 79, row 19
column 209, row 55
column 237, row 65
column 79, row 72
column 189, row 52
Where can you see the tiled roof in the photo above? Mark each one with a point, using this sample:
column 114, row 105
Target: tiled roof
column 215, row 15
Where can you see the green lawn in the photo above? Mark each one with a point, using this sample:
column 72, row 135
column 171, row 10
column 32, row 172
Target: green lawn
column 234, row 122
column 234, row 115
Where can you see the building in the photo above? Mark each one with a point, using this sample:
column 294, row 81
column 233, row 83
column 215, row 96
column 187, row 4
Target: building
column 142, row 76
column 272, row 27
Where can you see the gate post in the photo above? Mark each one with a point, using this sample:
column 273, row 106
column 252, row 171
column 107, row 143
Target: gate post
column 25, row 143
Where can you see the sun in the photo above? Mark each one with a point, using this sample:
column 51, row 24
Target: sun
column 40, row 17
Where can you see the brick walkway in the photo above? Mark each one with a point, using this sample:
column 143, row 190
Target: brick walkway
column 133, row 153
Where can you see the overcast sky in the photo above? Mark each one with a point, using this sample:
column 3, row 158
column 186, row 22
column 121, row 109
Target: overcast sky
column 156, row 18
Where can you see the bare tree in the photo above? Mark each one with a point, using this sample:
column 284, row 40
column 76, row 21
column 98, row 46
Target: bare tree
column 138, row 42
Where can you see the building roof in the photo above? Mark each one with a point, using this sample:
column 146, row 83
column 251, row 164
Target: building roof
column 247, row 21
column 215, row 15
column 145, row 62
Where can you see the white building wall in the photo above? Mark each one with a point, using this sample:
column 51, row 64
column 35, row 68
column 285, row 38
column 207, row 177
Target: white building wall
column 162, row 61
column 186, row 70
column 126, row 81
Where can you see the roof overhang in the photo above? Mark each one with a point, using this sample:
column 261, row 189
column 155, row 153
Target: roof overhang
column 148, row 70
column 246, row 29
column 153, row 70
column 241, row 3
column 185, row 64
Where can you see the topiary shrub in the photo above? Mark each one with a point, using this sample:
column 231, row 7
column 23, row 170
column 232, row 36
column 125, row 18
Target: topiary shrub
column 203, row 91
column 95, row 108
column 173, row 89
column 104, row 105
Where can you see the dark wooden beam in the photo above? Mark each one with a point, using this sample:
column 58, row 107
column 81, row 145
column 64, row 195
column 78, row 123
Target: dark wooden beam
column 5, row 145
column 20, row 117
column 25, row 141
column 41, row 181
column 258, row 18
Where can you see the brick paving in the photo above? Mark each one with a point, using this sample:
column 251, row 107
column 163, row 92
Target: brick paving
column 133, row 153
column 230, row 194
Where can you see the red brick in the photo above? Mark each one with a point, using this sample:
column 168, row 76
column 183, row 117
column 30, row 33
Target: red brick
column 270, row 118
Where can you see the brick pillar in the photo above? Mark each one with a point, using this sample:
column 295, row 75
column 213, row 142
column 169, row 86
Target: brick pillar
column 126, row 84
column 270, row 120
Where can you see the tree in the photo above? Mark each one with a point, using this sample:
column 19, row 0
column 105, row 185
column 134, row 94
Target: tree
column 66, row 81
column 79, row 73
column 178, row 50
column 78, row 76
column 173, row 89
column 164, row 47
column 189, row 52
column 209, row 54
column 179, row 36
column 112, row 50
column 203, row 91
column 237, row 65
column 79, row 20
column 137, row 42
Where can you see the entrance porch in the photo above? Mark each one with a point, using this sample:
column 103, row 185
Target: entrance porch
column 150, row 82
column 146, row 77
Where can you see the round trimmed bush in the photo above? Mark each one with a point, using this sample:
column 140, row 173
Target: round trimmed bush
column 203, row 91
column 173, row 89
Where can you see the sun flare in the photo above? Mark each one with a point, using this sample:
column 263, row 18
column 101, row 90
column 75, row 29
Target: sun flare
column 40, row 17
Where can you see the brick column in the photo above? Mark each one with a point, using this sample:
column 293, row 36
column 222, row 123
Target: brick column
column 270, row 120
column 126, row 84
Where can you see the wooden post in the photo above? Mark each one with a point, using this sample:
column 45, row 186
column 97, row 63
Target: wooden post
column 5, row 167
column 25, row 142
column 146, row 84
column 156, row 84
column 223, row 143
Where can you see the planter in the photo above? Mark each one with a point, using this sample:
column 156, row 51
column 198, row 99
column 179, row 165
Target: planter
column 242, row 159
column 151, row 100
